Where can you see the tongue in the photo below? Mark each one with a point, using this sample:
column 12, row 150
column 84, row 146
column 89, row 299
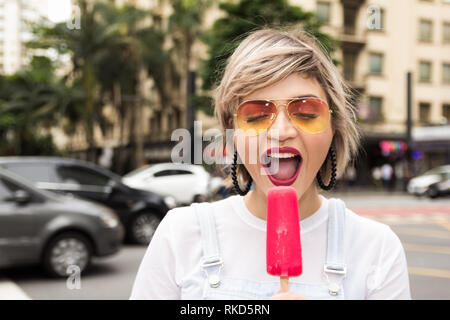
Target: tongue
column 286, row 168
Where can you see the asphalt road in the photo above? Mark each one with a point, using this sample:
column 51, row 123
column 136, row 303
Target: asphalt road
column 423, row 226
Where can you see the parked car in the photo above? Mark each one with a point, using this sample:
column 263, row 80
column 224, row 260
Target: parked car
column 186, row 183
column 139, row 211
column 54, row 230
column 433, row 183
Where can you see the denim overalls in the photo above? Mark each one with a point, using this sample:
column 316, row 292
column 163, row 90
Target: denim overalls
column 224, row 288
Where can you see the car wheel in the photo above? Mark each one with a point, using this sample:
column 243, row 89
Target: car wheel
column 143, row 226
column 432, row 192
column 67, row 250
column 200, row 198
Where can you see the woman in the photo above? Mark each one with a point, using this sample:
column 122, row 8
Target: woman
column 278, row 86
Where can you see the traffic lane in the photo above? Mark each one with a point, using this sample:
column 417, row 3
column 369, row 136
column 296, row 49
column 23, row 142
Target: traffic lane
column 424, row 235
column 431, row 261
column 429, row 272
column 429, row 288
column 426, row 240
column 113, row 277
column 381, row 203
column 109, row 278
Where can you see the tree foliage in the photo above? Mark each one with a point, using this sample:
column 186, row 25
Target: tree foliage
column 245, row 16
column 30, row 102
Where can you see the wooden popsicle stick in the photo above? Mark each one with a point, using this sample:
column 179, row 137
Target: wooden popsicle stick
column 284, row 284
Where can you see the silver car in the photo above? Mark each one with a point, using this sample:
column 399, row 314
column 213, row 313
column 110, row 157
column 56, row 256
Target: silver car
column 59, row 232
column 183, row 183
column 433, row 183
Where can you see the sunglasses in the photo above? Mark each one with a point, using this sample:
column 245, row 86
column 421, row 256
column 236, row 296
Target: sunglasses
column 309, row 114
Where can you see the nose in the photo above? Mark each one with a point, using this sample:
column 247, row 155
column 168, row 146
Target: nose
column 282, row 128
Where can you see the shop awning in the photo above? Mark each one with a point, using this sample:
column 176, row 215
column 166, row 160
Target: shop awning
column 437, row 133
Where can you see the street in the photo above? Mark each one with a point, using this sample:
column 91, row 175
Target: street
column 423, row 225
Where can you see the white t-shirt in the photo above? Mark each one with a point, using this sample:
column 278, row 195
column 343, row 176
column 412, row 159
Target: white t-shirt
column 376, row 262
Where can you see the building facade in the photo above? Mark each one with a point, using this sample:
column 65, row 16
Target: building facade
column 381, row 41
column 16, row 19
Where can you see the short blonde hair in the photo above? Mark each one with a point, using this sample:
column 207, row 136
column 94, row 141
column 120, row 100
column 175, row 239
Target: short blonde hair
column 267, row 56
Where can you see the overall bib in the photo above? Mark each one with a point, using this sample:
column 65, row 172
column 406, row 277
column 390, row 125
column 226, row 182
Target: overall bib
column 219, row 287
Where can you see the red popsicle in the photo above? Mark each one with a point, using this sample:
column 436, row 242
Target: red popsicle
column 283, row 247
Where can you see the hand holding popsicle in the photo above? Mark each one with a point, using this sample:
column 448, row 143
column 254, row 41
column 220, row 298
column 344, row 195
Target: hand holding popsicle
column 283, row 247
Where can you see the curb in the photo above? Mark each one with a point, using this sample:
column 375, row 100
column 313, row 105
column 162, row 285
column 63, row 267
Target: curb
column 11, row 291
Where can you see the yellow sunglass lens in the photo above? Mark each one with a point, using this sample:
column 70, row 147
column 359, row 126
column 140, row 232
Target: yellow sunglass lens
column 255, row 116
column 310, row 115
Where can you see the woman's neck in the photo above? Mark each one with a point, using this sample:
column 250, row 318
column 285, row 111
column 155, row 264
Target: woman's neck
column 256, row 202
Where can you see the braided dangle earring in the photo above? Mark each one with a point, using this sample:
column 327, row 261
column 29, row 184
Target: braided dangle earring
column 235, row 180
column 332, row 155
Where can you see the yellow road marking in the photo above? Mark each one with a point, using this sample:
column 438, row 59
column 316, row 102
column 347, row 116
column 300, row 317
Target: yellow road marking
column 426, row 248
column 429, row 233
column 412, row 220
column 443, row 222
column 437, row 273
column 391, row 221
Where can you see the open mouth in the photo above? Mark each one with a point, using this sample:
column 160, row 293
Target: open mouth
column 282, row 165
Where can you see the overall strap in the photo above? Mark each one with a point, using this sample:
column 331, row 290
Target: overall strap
column 335, row 268
column 211, row 261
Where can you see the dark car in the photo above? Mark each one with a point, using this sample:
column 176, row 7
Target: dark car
column 441, row 188
column 139, row 211
column 57, row 231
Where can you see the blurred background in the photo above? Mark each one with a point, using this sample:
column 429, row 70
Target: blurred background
column 91, row 91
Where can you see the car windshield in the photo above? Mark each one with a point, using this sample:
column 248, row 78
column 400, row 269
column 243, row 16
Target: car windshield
column 438, row 170
column 28, row 186
column 136, row 171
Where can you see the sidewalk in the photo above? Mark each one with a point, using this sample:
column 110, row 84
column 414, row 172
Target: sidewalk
column 11, row 291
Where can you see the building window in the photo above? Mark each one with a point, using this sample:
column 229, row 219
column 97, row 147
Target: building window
column 323, row 11
column 425, row 71
column 446, row 112
column 446, row 32
column 376, row 109
column 349, row 65
column 382, row 19
column 426, row 30
column 424, row 112
column 376, row 63
column 156, row 122
column 446, row 73
column 350, row 14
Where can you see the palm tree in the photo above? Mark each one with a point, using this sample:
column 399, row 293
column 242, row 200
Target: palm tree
column 138, row 48
column 86, row 47
column 109, row 52
column 31, row 102
column 186, row 25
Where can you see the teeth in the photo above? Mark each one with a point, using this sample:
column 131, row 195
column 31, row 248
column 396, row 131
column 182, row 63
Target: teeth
column 282, row 155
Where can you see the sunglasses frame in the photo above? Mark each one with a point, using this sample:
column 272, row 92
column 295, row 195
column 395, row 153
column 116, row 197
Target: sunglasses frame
column 286, row 105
